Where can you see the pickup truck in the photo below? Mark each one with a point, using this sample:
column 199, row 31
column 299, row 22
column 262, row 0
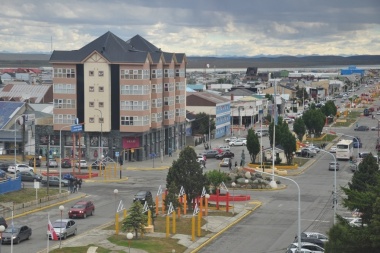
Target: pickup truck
column 54, row 181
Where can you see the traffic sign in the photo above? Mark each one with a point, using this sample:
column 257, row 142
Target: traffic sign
column 117, row 154
column 76, row 128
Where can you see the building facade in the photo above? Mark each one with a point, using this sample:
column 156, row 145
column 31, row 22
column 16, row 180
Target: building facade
column 128, row 95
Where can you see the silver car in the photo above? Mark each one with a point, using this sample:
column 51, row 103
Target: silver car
column 64, row 228
column 332, row 166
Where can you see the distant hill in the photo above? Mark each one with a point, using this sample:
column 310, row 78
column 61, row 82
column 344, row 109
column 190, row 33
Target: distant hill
column 38, row 60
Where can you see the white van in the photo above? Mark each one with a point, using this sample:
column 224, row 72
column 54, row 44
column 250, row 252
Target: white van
column 225, row 148
column 264, row 132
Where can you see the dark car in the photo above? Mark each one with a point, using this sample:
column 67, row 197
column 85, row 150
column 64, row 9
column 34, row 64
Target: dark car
column 210, row 153
column 4, row 166
column 226, row 154
column 357, row 142
column 143, row 196
column 82, row 209
column 3, row 175
column 38, row 162
column 19, row 233
column 361, row 128
column 311, row 240
column 30, row 176
column 66, row 163
column 3, row 222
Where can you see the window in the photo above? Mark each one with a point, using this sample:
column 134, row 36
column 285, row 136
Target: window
column 64, row 103
column 64, row 73
column 91, row 104
column 179, row 86
column 169, row 73
column 180, row 72
column 180, row 99
column 127, row 121
column 91, row 89
column 91, row 120
column 101, row 89
column 169, row 86
column 101, row 73
column 168, row 100
column 64, row 119
column 134, row 74
column 156, row 88
column 91, row 73
column 154, row 117
column 156, row 73
column 101, row 104
column 135, row 89
column 64, row 88
column 101, row 120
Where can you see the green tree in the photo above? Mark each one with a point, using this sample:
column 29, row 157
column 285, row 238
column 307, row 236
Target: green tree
column 281, row 127
column 201, row 124
column 329, row 109
column 187, row 172
column 314, row 120
column 288, row 142
column 253, row 144
column 269, row 97
column 301, row 93
column 172, row 196
column 136, row 220
column 216, row 177
column 299, row 128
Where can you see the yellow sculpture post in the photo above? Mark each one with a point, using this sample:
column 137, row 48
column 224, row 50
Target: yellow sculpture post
column 167, row 226
column 193, row 228
column 149, row 217
column 174, row 225
column 116, row 223
column 125, row 213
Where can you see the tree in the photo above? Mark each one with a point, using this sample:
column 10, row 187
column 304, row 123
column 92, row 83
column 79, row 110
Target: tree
column 136, row 219
column 281, row 127
column 216, row 177
column 301, row 94
column 172, row 197
column 201, row 124
column 253, row 144
column 314, row 120
column 299, row 128
column 288, row 142
column 187, row 172
column 329, row 109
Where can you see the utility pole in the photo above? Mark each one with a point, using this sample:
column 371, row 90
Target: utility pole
column 209, row 131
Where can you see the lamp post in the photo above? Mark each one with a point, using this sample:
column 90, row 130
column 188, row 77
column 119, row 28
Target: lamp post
column 207, row 196
column 246, row 190
column 60, row 157
column 61, row 208
column 115, row 192
column 233, row 197
column 273, row 183
column 299, row 208
column 129, row 237
column 335, row 202
column 15, row 148
column 2, row 228
column 101, row 133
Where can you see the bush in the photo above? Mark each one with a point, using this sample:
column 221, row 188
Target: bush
column 278, row 182
column 268, row 179
column 278, row 160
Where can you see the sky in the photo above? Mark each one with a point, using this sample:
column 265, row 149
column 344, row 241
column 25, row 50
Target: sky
column 197, row 27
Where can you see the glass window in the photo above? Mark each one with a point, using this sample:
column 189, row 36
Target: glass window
column 91, row 73
column 101, row 89
column 101, row 73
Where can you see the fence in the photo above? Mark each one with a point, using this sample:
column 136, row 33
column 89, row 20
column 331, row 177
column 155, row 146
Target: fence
column 10, row 185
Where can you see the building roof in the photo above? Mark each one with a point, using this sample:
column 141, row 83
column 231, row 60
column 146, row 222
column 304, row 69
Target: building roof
column 23, row 92
column 7, row 110
column 239, row 92
column 196, row 86
column 193, row 99
column 108, row 45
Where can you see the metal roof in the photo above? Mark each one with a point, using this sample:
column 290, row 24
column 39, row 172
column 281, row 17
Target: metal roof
column 25, row 92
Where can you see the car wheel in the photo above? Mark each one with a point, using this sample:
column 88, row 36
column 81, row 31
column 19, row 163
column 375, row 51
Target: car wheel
column 17, row 240
column 31, row 170
column 75, row 232
column 64, row 236
column 62, row 184
column 92, row 212
column 84, row 216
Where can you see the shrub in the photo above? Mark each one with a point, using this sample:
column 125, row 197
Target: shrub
column 278, row 182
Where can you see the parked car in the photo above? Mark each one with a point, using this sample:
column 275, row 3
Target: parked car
column 315, row 241
column 143, row 196
column 4, row 166
column 97, row 164
column 332, row 166
column 333, row 149
column 66, row 163
column 82, row 209
column 308, row 246
column 263, row 132
column 3, row 175
column 19, row 168
column 54, row 181
column 3, row 222
column 361, row 128
column 209, row 153
column 52, row 163
column 363, row 154
column 375, row 128
column 37, row 160
column 228, row 154
column 225, row 162
column 306, row 152
column 225, row 148
column 315, row 235
column 29, row 176
column 81, row 163
column 238, row 142
column 201, row 159
column 19, row 233
column 228, row 139
column 64, row 228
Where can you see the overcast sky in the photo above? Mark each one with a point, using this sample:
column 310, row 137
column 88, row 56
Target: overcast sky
column 197, row 27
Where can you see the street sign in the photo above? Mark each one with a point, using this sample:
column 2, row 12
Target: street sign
column 76, row 128
column 153, row 155
column 117, row 154
column 29, row 117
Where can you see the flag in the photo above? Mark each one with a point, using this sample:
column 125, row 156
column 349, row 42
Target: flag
column 182, row 191
column 159, row 192
column 196, row 209
column 203, row 192
column 146, row 207
column 53, row 234
column 170, row 209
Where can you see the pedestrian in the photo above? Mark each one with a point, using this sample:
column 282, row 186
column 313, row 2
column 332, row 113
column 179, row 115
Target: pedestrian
column 75, row 185
column 170, row 152
column 230, row 165
column 80, row 183
column 235, row 164
column 204, row 163
column 71, row 184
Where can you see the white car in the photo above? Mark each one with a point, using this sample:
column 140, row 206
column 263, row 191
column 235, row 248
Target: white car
column 19, row 168
column 307, row 246
column 315, row 235
column 229, row 139
column 238, row 142
column 82, row 163
column 333, row 149
column 225, row 147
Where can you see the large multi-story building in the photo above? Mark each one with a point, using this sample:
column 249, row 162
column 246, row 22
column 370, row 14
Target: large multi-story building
column 129, row 95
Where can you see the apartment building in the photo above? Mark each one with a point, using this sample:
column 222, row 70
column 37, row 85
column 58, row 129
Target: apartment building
column 129, row 96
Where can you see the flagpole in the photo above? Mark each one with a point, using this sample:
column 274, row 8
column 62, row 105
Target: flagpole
column 47, row 248
column 12, row 234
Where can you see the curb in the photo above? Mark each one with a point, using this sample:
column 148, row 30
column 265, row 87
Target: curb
column 106, row 181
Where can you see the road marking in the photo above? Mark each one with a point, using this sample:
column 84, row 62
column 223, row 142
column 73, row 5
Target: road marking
column 326, row 221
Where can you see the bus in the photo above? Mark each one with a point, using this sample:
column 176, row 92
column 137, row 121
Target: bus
column 344, row 150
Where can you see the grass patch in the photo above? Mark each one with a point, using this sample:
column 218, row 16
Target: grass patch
column 26, row 195
column 354, row 114
column 345, row 124
column 82, row 249
column 300, row 161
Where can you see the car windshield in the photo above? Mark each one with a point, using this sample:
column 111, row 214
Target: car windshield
column 58, row 224
column 9, row 230
column 78, row 206
column 140, row 194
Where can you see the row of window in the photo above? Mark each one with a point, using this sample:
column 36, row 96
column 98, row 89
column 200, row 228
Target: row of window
column 134, row 90
column 64, row 88
column 134, row 74
column 64, row 73
column 134, row 105
column 134, row 120
column 92, row 89
column 64, row 103
column 223, row 119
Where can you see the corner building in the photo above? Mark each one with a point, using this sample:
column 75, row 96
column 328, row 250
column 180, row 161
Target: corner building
column 128, row 94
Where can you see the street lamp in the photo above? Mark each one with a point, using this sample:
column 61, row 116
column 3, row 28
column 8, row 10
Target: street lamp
column 335, row 202
column 233, row 197
column 129, row 237
column 61, row 208
column 101, row 133
column 207, row 196
column 299, row 208
column 115, row 192
column 2, row 228
column 15, row 149
column 246, row 190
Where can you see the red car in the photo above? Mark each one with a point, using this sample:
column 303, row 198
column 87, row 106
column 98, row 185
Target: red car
column 82, row 209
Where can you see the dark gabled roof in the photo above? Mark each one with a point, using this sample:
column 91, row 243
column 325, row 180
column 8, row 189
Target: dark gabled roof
column 7, row 110
column 139, row 43
column 180, row 57
column 108, row 45
column 156, row 56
